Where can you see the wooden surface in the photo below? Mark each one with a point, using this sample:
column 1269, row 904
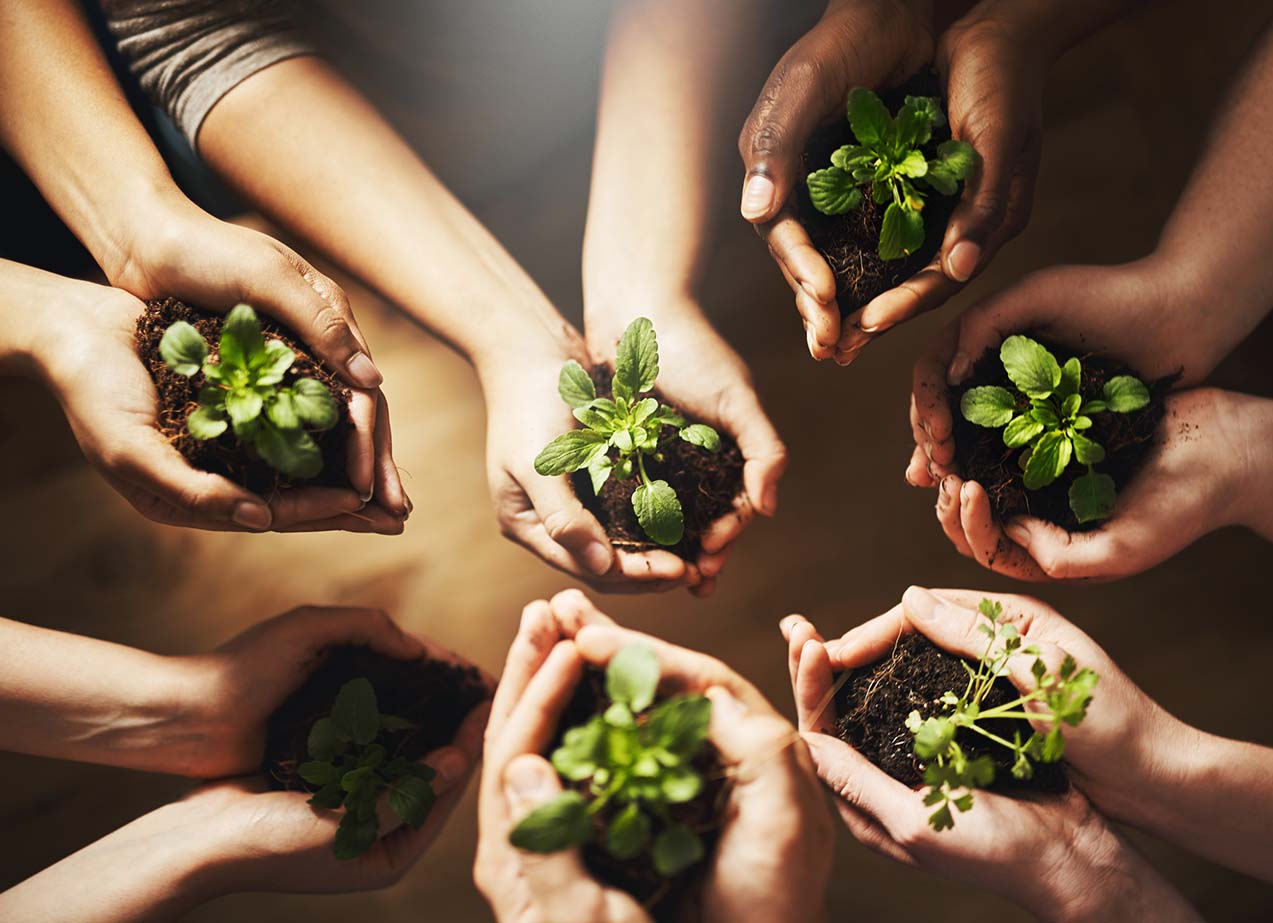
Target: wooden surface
column 1126, row 115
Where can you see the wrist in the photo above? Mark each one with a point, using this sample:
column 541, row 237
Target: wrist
column 1251, row 504
column 133, row 226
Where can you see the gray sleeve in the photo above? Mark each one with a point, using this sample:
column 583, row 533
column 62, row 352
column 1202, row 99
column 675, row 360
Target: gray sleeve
column 187, row 54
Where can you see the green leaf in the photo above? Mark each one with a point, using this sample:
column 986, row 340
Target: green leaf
column 580, row 750
column 676, row 849
column 355, row 835
column 206, row 423
column 659, row 512
column 183, row 348
column 1087, row 451
column 868, row 117
column 700, row 434
column 1092, row 496
column 314, row 404
column 412, row 799
column 941, row 819
column 913, row 165
column 958, row 157
column 636, row 363
column 940, row 178
column 325, row 740
column 1069, row 406
column 281, row 409
column 357, row 778
column 833, row 191
column 680, row 724
column 319, row 772
column 916, row 120
column 988, row 406
column 559, row 824
column 575, row 386
column 1049, row 459
column 933, row 736
column 632, row 677
column 1020, row 430
column 292, row 452
column 570, row 452
column 241, row 338
column 243, row 406
column 330, row 796
column 680, row 785
column 628, row 833
column 902, row 233
column 1071, row 377
column 355, row 712
column 276, row 359
column 1030, row 366
column 1096, row 406
column 599, row 471
column 1125, row 393
column 644, row 410
column 1045, row 415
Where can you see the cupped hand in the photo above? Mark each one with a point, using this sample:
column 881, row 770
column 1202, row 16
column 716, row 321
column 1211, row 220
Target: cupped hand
column 88, row 356
column 700, row 373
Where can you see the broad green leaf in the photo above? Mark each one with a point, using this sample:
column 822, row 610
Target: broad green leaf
column 914, row 124
column 636, row 363
column 666, row 416
column 355, row 711
column 559, row 824
column 833, row 191
column 357, row 778
column 941, row 819
column 622, row 440
column 1020, row 430
column 680, row 785
column 292, row 452
column 594, row 419
column 325, row 740
column 676, row 849
column 644, row 410
column 958, row 157
column 1125, row 393
column 580, row 750
column 914, row 165
column 241, row 338
column 183, row 348
column 933, row 736
column 659, row 512
column 1070, row 406
column 373, row 756
column 314, row 404
column 318, row 772
column 1096, row 406
column 850, row 156
column 1045, row 415
column 599, row 471
column 632, row 678
column 988, row 406
column 570, row 452
column 1031, row 367
column 1071, row 377
column 902, row 233
column 680, row 724
column 1087, row 451
column 355, row 836
column 702, row 435
column 411, row 799
column 281, row 409
column 1049, row 459
column 628, row 833
column 1092, row 496
column 274, row 362
column 243, row 406
column 574, row 385
column 329, row 796
column 940, row 178
column 206, row 423
column 868, row 117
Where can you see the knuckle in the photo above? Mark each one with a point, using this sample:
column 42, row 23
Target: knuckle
column 559, row 524
column 331, row 326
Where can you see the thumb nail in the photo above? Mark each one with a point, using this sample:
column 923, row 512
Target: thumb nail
column 920, row 604
column 598, row 558
column 769, row 502
column 528, row 779
column 758, row 197
column 364, row 372
column 449, row 764
column 962, row 261
column 960, row 366
column 252, row 515
column 1018, row 533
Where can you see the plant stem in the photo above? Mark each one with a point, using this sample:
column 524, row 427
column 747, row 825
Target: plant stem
column 645, row 478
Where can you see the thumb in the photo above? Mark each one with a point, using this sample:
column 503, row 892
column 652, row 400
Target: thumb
column 764, row 455
column 529, row 782
column 1066, row 555
column 568, row 523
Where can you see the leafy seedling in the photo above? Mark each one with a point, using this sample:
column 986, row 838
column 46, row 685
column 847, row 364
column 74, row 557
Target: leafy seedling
column 629, row 426
column 353, row 758
column 1058, row 698
column 244, row 389
column 890, row 160
column 635, row 760
column 1047, row 413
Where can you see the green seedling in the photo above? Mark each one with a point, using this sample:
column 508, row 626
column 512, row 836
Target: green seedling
column 1058, row 698
column 889, row 160
column 243, row 388
column 629, row 426
column 1046, row 413
column 353, row 758
column 635, row 761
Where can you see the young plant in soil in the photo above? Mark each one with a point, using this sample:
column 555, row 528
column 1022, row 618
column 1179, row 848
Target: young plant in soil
column 630, row 767
column 1060, row 698
column 621, row 433
column 243, row 388
column 1046, row 414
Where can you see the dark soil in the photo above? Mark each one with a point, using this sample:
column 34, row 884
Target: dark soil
column 435, row 695
column 705, row 482
column 665, row 899
column 178, row 396
column 872, row 705
column 849, row 242
column 1126, row 438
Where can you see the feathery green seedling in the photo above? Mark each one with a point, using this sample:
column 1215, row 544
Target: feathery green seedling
column 636, row 761
column 353, row 758
column 1047, row 413
column 243, row 389
column 948, row 771
column 889, row 158
column 628, row 424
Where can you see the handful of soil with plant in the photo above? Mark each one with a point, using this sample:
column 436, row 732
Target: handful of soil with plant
column 244, row 399
column 332, row 739
column 653, row 478
column 1081, row 426
column 644, row 789
column 903, row 714
column 877, row 213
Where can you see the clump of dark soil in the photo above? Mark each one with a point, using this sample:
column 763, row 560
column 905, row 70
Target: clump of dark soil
column 873, row 703
column 705, row 482
column 850, row 242
column 178, row 396
column 434, row 695
column 1126, row 438
column 666, row 899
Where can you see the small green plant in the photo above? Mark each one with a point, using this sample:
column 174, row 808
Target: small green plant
column 889, row 158
column 634, row 760
column 1064, row 697
column 1047, row 413
column 244, row 389
column 354, row 758
column 628, row 424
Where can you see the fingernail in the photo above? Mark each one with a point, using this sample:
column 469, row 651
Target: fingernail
column 1018, row 533
column 407, row 501
column 366, row 498
column 527, row 780
column 928, row 448
column 960, row 366
column 449, row 764
column 921, row 604
column 769, row 502
column 598, row 558
column 962, row 261
column 758, row 197
column 726, row 705
column 252, row 515
column 944, row 490
column 364, row 372
column 813, row 342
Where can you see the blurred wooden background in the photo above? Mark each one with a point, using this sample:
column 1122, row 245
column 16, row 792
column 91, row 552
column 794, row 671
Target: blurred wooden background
column 1127, row 112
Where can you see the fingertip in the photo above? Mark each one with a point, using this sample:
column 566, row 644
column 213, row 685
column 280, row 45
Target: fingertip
column 252, row 515
column 363, row 372
column 450, row 765
column 758, row 197
column 961, row 260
